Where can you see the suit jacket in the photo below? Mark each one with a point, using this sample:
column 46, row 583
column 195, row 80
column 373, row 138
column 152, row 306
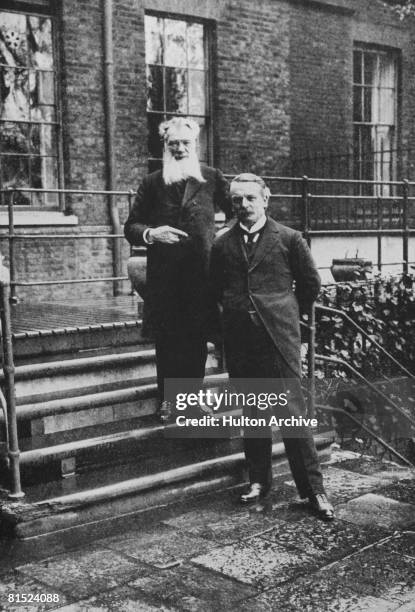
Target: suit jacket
column 266, row 283
column 176, row 298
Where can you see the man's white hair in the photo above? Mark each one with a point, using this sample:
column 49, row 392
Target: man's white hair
column 177, row 123
column 175, row 170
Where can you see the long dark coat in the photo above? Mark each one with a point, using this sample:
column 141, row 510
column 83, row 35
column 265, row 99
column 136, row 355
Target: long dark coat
column 176, row 296
column 281, row 259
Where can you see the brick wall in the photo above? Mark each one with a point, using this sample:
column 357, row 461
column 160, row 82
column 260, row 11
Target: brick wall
column 321, row 81
column 252, row 96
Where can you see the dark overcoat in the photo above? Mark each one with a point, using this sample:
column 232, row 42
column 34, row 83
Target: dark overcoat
column 176, row 295
column 278, row 282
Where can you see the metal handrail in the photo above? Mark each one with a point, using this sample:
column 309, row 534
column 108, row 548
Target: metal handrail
column 371, row 433
column 13, row 451
column 361, row 331
column 10, row 190
column 326, row 180
column 3, row 406
column 367, row 383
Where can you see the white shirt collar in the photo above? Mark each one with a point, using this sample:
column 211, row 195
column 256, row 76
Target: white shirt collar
column 256, row 227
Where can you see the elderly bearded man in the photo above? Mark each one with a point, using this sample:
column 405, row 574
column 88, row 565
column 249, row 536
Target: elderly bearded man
column 253, row 270
column 174, row 215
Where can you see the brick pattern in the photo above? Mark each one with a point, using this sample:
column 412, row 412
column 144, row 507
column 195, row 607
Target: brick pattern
column 252, row 87
column 321, row 82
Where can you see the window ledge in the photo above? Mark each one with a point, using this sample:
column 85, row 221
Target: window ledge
column 38, row 217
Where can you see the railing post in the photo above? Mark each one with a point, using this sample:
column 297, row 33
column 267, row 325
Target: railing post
column 405, row 228
column 379, row 227
column 306, row 209
column 131, row 195
column 311, row 362
column 12, row 253
column 9, row 370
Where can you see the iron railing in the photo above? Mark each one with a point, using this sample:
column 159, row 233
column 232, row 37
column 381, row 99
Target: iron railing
column 343, row 164
column 12, row 236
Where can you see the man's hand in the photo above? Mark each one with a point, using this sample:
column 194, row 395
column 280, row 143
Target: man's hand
column 166, row 234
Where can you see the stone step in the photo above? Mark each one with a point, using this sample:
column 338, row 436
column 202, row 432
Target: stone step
column 122, row 499
column 42, row 382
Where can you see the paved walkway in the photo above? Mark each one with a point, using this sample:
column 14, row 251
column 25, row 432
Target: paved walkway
column 212, row 554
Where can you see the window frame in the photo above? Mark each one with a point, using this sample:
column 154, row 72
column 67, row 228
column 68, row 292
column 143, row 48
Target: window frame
column 358, row 161
column 209, row 66
column 48, row 10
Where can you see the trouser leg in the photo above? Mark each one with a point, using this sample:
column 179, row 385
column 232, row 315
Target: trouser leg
column 258, row 455
column 251, row 353
column 180, row 357
column 247, row 357
column 298, row 441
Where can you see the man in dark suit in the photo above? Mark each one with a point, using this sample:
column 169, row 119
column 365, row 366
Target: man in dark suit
column 263, row 275
column 174, row 216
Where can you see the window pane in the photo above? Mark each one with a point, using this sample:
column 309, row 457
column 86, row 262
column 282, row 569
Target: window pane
column 155, row 145
column 40, row 42
column 176, row 90
column 155, row 88
column 13, row 39
column 369, row 62
column 43, row 172
column 197, row 89
column 43, row 141
column 15, row 103
column 36, row 172
column 43, row 175
column 50, row 180
column 366, row 143
column 45, row 87
column 387, row 71
column 357, row 67
column 27, row 94
column 203, row 145
column 387, row 106
column 369, row 95
column 356, row 141
column 154, row 39
column 177, row 84
column 195, row 49
column 15, row 171
column 43, row 113
column 357, row 104
column 175, row 37
column 14, row 138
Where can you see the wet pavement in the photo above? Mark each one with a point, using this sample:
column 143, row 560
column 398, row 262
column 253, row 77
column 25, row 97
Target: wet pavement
column 212, row 554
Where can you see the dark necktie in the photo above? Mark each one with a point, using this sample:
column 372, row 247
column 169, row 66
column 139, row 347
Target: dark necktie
column 250, row 241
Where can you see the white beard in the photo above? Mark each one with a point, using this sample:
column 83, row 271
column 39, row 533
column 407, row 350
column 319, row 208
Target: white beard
column 175, row 170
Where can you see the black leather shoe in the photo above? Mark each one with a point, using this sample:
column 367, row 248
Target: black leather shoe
column 322, row 507
column 256, row 491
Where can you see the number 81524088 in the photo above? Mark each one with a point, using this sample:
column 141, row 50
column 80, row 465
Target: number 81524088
column 33, row 597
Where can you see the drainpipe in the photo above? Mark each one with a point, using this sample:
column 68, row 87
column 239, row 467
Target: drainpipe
column 109, row 111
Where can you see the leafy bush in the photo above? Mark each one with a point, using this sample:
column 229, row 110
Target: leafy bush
column 385, row 309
